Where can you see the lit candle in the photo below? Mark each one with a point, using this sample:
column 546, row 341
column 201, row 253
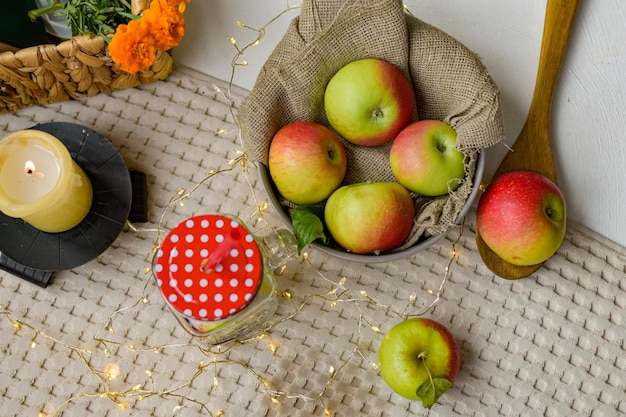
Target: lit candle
column 40, row 183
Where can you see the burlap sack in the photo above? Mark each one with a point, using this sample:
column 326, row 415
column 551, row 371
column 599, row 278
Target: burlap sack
column 450, row 84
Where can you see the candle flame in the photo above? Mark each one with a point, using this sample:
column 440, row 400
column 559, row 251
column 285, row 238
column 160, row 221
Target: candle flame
column 29, row 167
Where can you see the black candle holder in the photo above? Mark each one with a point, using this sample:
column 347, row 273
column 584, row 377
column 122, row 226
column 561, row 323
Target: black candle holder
column 33, row 254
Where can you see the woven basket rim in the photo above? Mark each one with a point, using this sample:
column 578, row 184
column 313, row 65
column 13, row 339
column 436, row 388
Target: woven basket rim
column 76, row 67
column 88, row 38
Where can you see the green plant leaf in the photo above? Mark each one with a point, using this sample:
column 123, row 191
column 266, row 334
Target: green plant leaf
column 430, row 391
column 307, row 225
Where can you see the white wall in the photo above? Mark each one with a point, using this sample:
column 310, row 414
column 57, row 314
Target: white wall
column 588, row 115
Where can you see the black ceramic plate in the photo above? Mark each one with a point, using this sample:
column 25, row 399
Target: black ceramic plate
column 112, row 197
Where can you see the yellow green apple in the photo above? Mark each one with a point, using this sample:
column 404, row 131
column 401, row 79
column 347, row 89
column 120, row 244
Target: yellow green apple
column 369, row 216
column 521, row 216
column 424, row 158
column 307, row 162
column 419, row 359
column 368, row 102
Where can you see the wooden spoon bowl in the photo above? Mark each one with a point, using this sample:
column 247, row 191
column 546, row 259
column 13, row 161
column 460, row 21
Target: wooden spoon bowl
column 532, row 150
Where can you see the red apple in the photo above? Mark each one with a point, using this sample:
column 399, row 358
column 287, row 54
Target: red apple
column 425, row 160
column 419, row 359
column 370, row 216
column 368, row 102
column 521, row 216
column 306, row 161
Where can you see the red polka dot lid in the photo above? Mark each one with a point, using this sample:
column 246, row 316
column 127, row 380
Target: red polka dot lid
column 209, row 267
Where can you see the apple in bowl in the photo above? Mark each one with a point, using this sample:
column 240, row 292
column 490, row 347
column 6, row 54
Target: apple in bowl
column 370, row 216
column 521, row 216
column 368, row 102
column 424, row 158
column 419, row 359
column 306, row 161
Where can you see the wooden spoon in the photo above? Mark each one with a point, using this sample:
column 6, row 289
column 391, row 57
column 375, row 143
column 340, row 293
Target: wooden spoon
column 531, row 150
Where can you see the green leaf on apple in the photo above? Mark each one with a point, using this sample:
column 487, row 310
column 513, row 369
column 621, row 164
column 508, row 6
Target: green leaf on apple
column 306, row 221
column 430, row 391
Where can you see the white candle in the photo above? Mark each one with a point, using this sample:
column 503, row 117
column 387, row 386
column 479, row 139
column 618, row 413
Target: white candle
column 40, row 183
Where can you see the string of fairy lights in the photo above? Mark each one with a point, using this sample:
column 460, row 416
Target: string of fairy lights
column 126, row 394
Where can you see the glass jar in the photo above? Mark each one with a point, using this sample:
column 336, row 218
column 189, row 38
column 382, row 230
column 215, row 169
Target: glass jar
column 218, row 278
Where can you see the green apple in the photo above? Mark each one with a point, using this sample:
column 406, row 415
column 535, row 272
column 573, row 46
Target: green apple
column 521, row 216
column 307, row 162
column 419, row 359
column 369, row 216
column 424, row 158
column 368, row 102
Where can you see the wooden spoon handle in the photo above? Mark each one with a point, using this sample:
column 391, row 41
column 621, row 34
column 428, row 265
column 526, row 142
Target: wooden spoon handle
column 532, row 149
column 558, row 21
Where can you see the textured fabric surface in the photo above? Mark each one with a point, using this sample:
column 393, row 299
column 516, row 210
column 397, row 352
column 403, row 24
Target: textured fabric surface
column 553, row 344
column 450, row 84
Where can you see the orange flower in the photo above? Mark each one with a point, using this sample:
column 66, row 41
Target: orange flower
column 167, row 23
column 161, row 27
column 131, row 48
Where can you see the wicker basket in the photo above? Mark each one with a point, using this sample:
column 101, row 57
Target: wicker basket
column 74, row 68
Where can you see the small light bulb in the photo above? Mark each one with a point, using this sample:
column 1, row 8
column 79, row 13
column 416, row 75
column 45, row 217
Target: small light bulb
column 112, row 370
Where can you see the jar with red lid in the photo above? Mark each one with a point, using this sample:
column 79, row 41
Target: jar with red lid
column 218, row 278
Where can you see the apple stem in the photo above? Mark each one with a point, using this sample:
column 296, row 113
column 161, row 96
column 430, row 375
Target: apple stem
column 423, row 356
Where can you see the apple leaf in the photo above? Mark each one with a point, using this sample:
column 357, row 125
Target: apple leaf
column 307, row 225
column 430, row 391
